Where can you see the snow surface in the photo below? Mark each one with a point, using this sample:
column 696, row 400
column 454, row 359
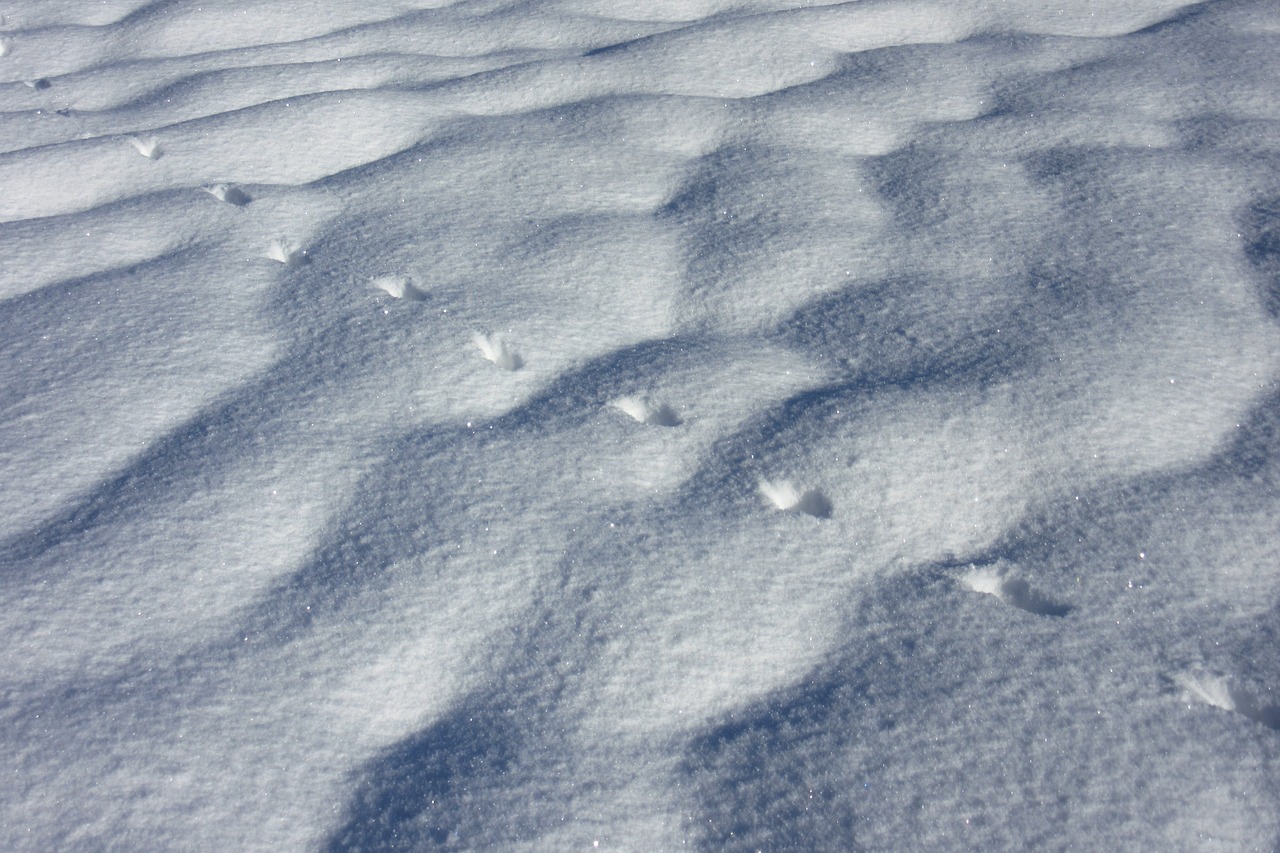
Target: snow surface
column 640, row 425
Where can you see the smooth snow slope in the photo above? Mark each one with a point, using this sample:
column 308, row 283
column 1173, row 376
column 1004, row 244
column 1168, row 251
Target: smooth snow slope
column 644, row 424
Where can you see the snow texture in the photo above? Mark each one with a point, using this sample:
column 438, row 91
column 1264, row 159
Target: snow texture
column 640, row 425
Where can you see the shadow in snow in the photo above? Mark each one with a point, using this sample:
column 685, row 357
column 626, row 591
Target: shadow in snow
column 1260, row 228
column 1019, row 593
column 436, row 788
column 488, row 774
column 759, row 781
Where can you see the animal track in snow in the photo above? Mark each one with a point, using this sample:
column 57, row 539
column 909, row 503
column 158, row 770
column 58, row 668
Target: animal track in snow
column 495, row 349
column 149, row 147
column 39, row 84
column 1014, row 591
column 1221, row 693
column 786, row 497
column 286, row 253
column 229, row 194
column 6, row 47
column 400, row 287
column 645, row 411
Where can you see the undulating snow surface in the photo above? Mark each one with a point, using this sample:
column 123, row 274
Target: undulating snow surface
column 640, row 424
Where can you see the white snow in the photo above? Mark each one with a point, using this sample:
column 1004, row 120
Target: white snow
column 644, row 410
column 497, row 350
column 640, row 425
column 399, row 287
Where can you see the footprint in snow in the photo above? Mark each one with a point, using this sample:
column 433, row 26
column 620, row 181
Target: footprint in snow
column 1221, row 693
column 229, row 194
column 1014, row 591
column 786, row 497
column 149, row 147
column 39, row 85
column 400, row 287
column 645, row 411
column 496, row 350
column 286, row 253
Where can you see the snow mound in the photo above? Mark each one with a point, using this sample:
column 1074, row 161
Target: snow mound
column 786, row 497
column 644, row 410
column 399, row 287
column 496, row 350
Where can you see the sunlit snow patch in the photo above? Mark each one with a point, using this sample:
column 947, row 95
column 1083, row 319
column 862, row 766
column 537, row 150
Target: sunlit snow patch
column 1221, row 693
column 495, row 349
column 229, row 194
column 1014, row 591
column 399, row 287
column 149, row 147
column 788, row 498
column 286, row 253
column 645, row 411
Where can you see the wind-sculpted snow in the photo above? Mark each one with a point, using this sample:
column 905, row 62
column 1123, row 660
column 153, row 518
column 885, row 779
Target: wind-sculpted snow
column 737, row 424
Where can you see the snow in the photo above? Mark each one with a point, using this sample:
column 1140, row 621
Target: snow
column 640, row 425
